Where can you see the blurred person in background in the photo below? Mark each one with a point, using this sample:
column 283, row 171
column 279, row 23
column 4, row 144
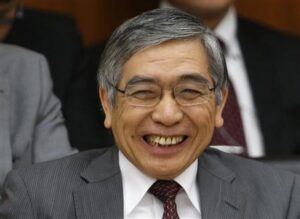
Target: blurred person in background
column 263, row 69
column 84, row 110
column 32, row 127
column 54, row 35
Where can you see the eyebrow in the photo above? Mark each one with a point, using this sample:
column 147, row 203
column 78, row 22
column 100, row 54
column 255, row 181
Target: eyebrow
column 141, row 79
column 195, row 77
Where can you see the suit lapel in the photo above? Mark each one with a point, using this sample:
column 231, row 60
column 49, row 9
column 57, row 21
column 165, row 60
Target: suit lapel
column 5, row 145
column 259, row 63
column 102, row 196
column 264, row 79
column 220, row 197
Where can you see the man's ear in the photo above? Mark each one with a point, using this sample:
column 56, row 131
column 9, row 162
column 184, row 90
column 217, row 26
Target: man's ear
column 106, row 107
column 219, row 121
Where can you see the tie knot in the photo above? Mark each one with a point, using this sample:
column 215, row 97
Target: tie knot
column 165, row 190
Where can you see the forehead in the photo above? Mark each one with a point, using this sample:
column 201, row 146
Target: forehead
column 168, row 62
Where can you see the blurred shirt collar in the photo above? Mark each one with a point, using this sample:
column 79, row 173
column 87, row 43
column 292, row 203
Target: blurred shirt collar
column 226, row 31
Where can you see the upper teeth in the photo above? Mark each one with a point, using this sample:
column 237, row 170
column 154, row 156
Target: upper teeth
column 161, row 140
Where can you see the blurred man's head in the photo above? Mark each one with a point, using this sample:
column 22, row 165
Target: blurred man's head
column 163, row 85
column 8, row 9
column 210, row 11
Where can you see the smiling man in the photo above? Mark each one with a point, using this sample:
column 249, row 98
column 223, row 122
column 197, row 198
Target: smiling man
column 163, row 86
column 166, row 111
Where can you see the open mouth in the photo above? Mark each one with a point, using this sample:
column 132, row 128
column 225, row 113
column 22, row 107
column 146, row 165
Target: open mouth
column 164, row 141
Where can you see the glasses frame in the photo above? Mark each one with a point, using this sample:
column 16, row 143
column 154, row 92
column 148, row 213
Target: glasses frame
column 124, row 92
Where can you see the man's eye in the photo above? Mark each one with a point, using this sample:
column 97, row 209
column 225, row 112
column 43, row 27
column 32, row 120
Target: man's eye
column 190, row 93
column 143, row 94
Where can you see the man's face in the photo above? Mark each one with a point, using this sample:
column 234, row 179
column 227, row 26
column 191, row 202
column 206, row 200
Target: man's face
column 6, row 13
column 203, row 8
column 142, row 133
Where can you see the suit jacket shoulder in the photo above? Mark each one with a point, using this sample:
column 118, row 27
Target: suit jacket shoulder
column 232, row 187
column 84, row 185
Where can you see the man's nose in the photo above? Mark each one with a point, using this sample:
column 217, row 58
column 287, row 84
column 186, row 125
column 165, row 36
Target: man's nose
column 167, row 112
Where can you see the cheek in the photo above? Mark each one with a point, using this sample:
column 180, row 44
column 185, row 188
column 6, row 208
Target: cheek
column 207, row 125
column 203, row 116
column 203, row 120
column 127, row 120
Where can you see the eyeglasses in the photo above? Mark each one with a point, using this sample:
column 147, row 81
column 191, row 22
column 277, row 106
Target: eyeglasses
column 145, row 94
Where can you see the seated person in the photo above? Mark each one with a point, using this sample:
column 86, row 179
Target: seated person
column 51, row 34
column 163, row 86
column 264, row 115
column 31, row 123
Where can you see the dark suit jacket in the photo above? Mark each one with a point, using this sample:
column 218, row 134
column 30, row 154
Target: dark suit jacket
column 89, row 185
column 272, row 62
column 84, row 110
column 57, row 38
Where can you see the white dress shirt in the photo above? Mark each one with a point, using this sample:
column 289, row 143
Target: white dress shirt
column 226, row 30
column 138, row 203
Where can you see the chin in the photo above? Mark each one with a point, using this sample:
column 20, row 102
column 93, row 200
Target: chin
column 165, row 170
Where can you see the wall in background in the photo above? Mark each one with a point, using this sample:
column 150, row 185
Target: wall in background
column 97, row 18
column 280, row 14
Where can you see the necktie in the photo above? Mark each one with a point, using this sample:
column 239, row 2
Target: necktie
column 166, row 191
column 232, row 132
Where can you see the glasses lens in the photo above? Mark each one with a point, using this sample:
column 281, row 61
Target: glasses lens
column 143, row 94
column 189, row 94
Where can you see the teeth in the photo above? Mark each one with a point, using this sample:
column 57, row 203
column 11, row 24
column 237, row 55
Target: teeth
column 169, row 140
column 174, row 141
column 164, row 141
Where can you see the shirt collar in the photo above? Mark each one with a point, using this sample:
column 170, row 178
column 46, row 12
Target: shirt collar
column 226, row 31
column 136, row 183
column 187, row 180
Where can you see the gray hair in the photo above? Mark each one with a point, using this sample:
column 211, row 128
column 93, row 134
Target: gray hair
column 153, row 28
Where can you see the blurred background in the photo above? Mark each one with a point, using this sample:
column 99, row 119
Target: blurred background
column 98, row 18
